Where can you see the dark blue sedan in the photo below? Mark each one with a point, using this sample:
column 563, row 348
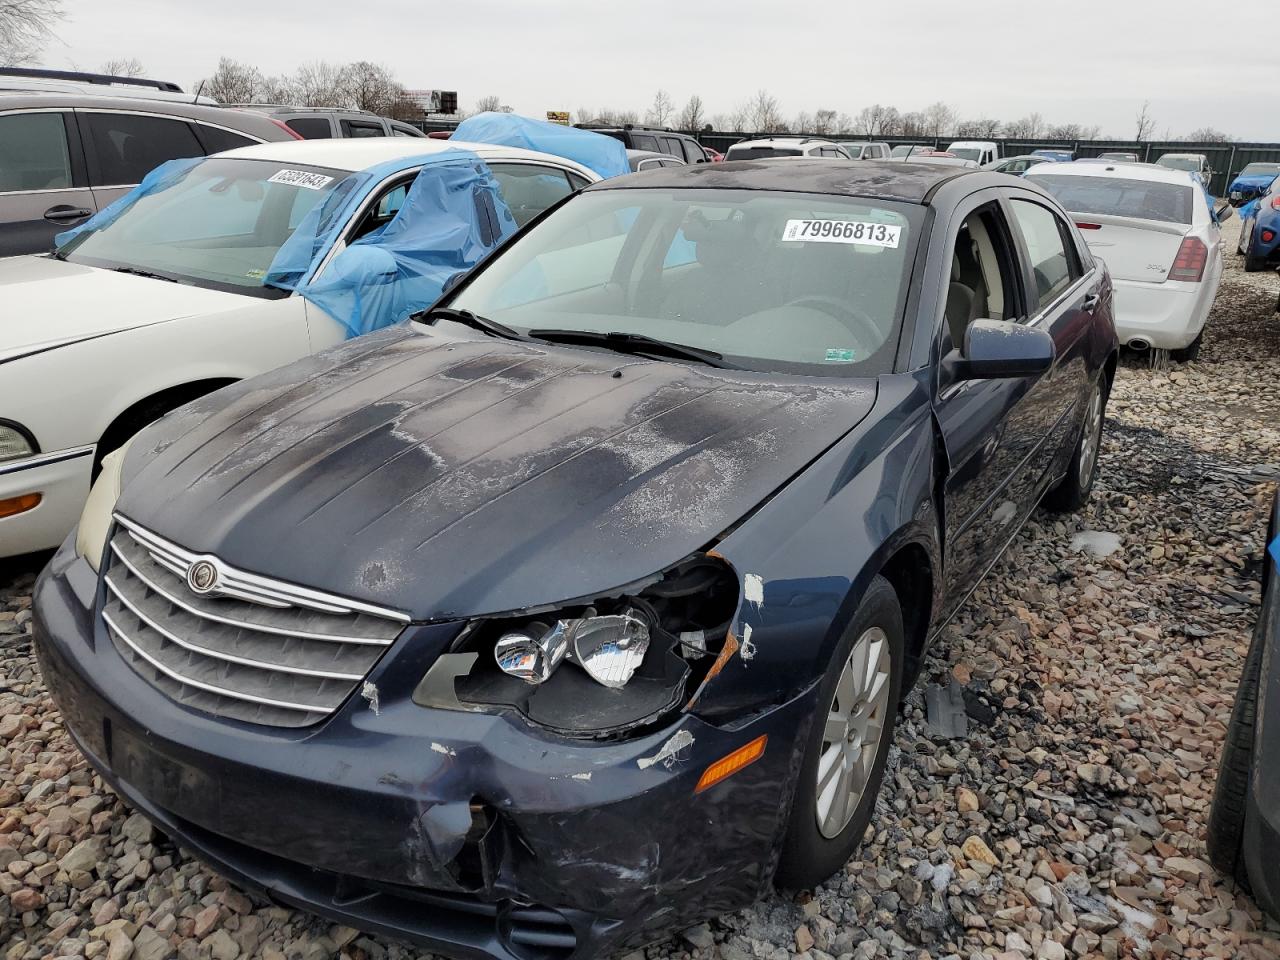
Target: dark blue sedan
column 580, row 607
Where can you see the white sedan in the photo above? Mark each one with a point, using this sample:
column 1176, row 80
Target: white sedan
column 1156, row 232
column 169, row 302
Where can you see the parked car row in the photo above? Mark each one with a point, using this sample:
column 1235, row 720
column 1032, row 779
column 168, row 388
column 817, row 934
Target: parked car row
column 507, row 548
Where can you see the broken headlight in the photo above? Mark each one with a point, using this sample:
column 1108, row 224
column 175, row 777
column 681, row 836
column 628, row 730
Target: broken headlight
column 597, row 669
column 609, row 648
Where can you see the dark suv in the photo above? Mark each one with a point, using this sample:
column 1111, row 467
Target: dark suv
column 656, row 139
column 64, row 156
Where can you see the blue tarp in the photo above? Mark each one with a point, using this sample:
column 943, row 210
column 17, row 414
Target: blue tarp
column 161, row 178
column 596, row 151
column 452, row 217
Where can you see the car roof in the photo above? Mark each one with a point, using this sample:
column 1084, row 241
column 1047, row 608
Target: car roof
column 873, row 179
column 360, row 153
column 1118, row 170
column 784, row 142
column 1181, row 156
column 246, row 121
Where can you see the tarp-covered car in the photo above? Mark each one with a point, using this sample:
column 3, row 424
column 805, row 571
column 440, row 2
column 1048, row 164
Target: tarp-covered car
column 220, row 268
column 580, row 607
column 1252, row 182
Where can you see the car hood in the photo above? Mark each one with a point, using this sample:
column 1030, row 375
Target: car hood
column 50, row 303
column 447, row 477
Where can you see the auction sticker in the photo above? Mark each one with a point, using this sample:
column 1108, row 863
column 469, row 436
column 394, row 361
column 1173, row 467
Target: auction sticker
column 301, row 178
column 843, row 231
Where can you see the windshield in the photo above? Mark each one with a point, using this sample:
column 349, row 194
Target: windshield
column 900, row 151
column 1119, row 197
column 220, row 226
column 1261, row 169
column 787, row 282
column 1191, row 164
column 756, row 153
column 966, row 153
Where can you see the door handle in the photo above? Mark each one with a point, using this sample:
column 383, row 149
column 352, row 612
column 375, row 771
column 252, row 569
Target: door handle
column 1090, row 301
column 63, row 213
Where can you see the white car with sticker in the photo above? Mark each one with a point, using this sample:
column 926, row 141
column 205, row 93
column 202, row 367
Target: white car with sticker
column 96, row 346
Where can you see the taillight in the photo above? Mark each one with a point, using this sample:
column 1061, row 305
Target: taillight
column 287, row 129
column 1089, row 226
column 1190, row 261
column 1275, row 202
column 1268, row 236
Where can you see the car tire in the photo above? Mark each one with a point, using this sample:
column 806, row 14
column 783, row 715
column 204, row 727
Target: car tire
column 857, row 698
column 1225, row 830
column 1072, row 492
column 1253, row 264
column 1191, row 351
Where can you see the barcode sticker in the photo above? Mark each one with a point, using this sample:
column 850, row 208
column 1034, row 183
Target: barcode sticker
column 843, row 231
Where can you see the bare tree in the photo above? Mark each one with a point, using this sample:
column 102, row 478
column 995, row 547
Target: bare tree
column 1145, row 121
column 824, row 123
column 1091, row 132
column 693, row 116
column 1030, row 127
column 1209, row 135
column 843, row 124
column 319, row 84
column 489, row 104
column 983, row 128
column 735, row 121
column 25, row 26
column 660, row 110
column 876, row 120
column 369, row 86
column 124, row 67
column 803, row 123
column 763, row 114
column 939, row 118
column 234, row 82
column 914, row 124
column 1065, row 131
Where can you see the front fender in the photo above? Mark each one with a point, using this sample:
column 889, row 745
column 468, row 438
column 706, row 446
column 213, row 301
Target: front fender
column 805, row 559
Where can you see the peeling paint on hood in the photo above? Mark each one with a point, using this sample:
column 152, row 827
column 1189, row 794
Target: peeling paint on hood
column 453, row 477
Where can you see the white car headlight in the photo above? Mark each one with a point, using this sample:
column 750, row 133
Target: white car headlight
column 95, row 520
column 14, row 444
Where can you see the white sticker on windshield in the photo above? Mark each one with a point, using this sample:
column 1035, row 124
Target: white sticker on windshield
column 843, row 231
column 300, row 178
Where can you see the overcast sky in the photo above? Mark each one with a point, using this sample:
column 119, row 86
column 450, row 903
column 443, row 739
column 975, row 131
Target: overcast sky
column 1083, row 61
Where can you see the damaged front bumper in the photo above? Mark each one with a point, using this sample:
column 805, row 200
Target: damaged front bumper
column 473, row 834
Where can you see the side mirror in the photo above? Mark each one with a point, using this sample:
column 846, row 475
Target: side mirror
column 453, row 281
column 1223, row 211
column 996, row 349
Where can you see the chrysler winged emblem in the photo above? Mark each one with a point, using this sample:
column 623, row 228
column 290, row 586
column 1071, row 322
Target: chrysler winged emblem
column 202, row 577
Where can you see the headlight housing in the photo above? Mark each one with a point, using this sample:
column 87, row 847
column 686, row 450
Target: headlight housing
column 14, row 443
column 633, row 658
column 95, row 519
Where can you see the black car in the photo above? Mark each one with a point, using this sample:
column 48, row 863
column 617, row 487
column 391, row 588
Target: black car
column 579, row 608
column 655, row 139
column 1244, row 820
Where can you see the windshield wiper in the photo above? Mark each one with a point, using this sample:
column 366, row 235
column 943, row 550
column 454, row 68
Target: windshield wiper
column 135, row 272
column 636, row 343
column 476, row 322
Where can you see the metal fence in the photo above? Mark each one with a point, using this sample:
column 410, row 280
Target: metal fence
column 1225, row 159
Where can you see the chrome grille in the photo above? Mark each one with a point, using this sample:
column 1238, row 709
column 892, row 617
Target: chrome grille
column 258, row 650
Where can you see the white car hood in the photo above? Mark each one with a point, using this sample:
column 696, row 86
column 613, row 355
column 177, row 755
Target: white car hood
column 47, row 303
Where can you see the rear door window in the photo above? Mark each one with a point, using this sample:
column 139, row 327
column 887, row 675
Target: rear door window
column 216, row 139
column 693, row 151
column 362, row 128
column 643, row 141
column 311, row 128
column 529, row 189
column 1044, row 235
column 33, row 152
column 125, row 147
column 671, row 145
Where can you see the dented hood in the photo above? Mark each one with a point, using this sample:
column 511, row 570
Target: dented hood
column 452, row 477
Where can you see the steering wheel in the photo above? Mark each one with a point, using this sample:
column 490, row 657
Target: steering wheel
column 843, row 312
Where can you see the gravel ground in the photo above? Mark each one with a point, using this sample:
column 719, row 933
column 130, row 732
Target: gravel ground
column 1068, row 821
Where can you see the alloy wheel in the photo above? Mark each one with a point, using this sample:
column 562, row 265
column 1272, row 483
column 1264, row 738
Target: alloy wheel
column 856, row 722
column 1092, row 439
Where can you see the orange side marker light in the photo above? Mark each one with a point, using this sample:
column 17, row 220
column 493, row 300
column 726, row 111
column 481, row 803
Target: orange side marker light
column 730, row 764
column 16, row 505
